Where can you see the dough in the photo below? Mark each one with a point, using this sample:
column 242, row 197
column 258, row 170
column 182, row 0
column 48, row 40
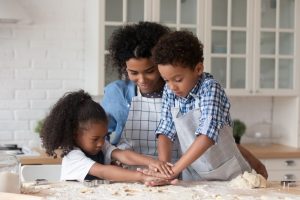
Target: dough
column 249, row 180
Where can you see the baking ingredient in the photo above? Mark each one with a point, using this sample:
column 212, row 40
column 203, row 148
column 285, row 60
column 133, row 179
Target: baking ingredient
column 249, row 180
column 9, row 182
column 208, row 190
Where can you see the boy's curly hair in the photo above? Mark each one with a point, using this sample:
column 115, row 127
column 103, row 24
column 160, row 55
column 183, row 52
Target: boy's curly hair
column 178, row 48
column 134, row 41
column 62, row 123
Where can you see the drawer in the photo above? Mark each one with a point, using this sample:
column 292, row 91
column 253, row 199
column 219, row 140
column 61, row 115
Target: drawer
column 33, row 172
column 282, row 164
column 279, row 175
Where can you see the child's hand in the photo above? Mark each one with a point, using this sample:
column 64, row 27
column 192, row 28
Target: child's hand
column 159, row 182
column 164, row 168
column 156, row 174
column 154, row 181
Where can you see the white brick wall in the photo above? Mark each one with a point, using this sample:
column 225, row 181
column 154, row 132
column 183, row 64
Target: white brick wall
column 251, row 110
column 39, row 63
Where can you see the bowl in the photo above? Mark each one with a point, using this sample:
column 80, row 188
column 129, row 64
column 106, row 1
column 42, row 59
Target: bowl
column 262, row 133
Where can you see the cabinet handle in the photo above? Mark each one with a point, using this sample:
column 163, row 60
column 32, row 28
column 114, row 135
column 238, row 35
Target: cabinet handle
column 288, row 177
column 290, row 162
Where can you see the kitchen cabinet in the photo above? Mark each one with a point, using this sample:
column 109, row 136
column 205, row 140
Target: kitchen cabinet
column 251, row 45
column 40, row 166
column 282, row 162
column 107, row 15
column 33, row 172
column 283, row 169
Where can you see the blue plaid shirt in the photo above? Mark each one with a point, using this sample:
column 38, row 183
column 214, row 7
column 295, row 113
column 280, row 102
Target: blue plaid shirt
column 214, row 107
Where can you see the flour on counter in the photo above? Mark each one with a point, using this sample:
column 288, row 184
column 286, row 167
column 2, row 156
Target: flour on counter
column 249, row 180
column 134, row 191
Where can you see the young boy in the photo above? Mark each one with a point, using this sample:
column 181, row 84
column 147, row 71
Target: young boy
column 196, row 108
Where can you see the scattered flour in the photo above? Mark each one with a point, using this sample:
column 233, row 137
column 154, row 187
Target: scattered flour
column 212, row 190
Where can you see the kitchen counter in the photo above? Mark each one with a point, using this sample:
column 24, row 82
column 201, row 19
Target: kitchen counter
column 12, row 196
column 40, row 159
column 261, row 152
column 272, row 151
column 184, row 190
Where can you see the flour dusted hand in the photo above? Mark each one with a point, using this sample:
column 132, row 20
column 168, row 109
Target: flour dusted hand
column 165, row 168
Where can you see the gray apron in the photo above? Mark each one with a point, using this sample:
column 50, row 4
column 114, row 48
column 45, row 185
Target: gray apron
column 222, row 161
column 139, row 132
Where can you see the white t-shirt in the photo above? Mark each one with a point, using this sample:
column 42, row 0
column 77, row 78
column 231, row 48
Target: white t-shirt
column 75, row 165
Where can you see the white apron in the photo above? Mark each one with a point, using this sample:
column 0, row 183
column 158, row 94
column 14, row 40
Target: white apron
column 139, row 132
column 222, row 161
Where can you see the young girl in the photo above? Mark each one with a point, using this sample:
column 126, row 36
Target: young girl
column 78, row 126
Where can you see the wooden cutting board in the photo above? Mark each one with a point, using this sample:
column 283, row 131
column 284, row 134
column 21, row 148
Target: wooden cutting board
column 12, row 196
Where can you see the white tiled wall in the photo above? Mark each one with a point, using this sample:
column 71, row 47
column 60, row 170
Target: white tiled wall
column 38, row 63
column 252, row 111
column 41, row 61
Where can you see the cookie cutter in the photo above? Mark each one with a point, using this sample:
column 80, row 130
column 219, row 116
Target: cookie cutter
column 288, row 183
column 95, row 183
column 41, row 181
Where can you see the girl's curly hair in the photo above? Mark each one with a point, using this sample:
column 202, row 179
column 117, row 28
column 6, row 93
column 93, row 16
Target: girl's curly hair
column 62, row 123
column 178, row 48
column 134, row 41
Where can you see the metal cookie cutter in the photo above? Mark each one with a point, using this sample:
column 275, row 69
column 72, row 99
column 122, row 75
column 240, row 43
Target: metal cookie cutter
column 95, row 183
column 288, row 183
column 41, row 181
column 102, row 181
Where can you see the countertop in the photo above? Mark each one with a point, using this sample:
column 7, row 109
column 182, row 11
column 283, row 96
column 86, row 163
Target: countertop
column 183, row 190
column 41, row 159
column 261, row 152
column 12, row 196
column 272, row 151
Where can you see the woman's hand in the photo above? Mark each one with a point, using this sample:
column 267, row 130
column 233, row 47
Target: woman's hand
column 164, row 168
column 155, row 181
column 156, row 174
column 159, row 182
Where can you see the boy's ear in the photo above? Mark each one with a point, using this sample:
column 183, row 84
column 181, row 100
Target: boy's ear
column 199, row 68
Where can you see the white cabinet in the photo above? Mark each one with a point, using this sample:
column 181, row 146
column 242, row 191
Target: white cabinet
column 34, row 172
column 283, row 169
column 104, row 16
column 251, row 45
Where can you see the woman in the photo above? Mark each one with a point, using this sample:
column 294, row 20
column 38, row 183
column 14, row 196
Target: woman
column 133, row 105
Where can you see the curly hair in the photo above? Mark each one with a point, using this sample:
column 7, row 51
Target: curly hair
column 178, row 48
column 63, row 121
column 134, row 41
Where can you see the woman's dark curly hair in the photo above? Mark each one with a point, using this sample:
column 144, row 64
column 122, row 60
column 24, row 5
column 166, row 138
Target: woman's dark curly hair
column 134, row 41
column 62, row 123
column 178, row 48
